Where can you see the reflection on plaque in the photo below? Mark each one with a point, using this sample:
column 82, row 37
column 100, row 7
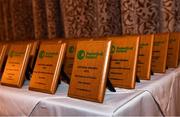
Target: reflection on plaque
column 90, row 69
column 173, row 50
column 47, row 68
column 145, row 56
column 159, row 55
column 124, row 53
column 16, row 65
column 3, row 56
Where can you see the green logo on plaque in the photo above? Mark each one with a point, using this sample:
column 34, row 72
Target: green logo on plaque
column 81, row 54
column 14, row 53
column 142, row 45
column 158, row 43
column 88, row 55
column 41, row 54
column 123, row 49
column 116, row 49
column 71, row 49
column 11, row 53
column 113, row 49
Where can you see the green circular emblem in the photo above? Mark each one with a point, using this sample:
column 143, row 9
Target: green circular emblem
column 71, row 49
column 113, row 48
column 11, row 53
column 41, row 54
column 81, row 54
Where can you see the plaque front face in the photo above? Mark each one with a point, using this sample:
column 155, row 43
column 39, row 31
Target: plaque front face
column 145, row 56
column 47, row 68
column 173, row 50
column 16, row 65
column 90, row 69
column 124, row 53
column 159, row 55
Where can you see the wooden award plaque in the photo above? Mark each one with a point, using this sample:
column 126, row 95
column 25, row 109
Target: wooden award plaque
column 47, row 68
column 3, row 55
column 69, row 56
column 16, row 65
column 124, row 53
column 90, row 70
column 173, row 50
column 145, row 56
column 159, row 55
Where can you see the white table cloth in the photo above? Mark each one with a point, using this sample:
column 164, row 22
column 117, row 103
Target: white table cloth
column 141, row 105
column 66, row 106
column 19, row 101
column 164, row 88
column 159, row 96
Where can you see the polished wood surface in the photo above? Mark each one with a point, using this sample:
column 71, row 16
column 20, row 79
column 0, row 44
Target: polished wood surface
column 124, row 53
column 47, row 68
column 90, row 69
column 145, row 56
column 16, row 65
column 173, row 50
column 159, row 55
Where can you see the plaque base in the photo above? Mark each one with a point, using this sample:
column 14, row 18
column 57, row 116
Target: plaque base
column 29, row 69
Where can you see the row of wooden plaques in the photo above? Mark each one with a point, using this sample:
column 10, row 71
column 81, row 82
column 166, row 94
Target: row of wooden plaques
column 88, row 63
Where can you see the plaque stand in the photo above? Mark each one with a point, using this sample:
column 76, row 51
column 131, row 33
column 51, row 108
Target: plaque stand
column 3, row 67
column 152, row 73
column 110, row 86
column 28, row 73
column 67, row 80
column 137, row 79
column 29, row 70
column 65, row 77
